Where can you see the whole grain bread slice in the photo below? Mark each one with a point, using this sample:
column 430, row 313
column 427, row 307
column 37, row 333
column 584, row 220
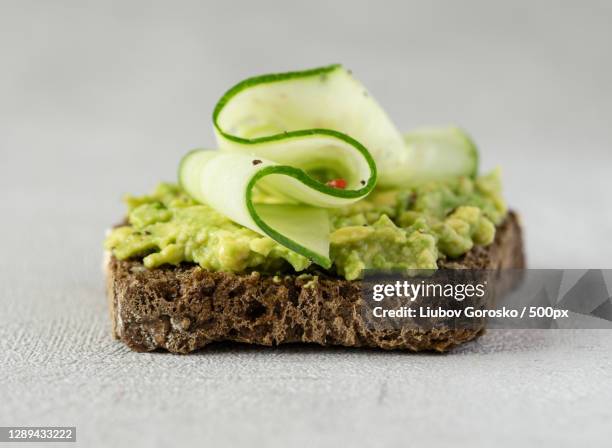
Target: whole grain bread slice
column 184, row 308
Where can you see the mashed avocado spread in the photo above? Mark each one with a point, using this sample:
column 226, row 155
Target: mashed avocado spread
column 406, row 229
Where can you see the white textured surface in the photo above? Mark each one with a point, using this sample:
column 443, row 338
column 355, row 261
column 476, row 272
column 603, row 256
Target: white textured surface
column 100, row 99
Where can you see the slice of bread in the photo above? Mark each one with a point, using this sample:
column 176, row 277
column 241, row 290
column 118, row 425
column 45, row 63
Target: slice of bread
column 184, row 308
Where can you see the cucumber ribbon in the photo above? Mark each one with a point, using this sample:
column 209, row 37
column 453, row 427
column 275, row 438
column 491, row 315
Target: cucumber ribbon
column 276, row 131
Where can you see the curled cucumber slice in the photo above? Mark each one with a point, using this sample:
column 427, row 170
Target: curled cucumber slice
column 440, row 153
column 227, row 180
column 276, row 131
column 282, row 116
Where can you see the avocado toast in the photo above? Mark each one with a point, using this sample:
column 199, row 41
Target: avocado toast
column 265, row 240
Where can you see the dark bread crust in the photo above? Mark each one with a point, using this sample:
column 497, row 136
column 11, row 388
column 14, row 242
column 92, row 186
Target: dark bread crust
column 181, row 309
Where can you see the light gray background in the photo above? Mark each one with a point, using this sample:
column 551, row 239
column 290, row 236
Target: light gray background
column 98, row 99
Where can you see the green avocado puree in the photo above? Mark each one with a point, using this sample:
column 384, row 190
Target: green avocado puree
column 407, row 229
